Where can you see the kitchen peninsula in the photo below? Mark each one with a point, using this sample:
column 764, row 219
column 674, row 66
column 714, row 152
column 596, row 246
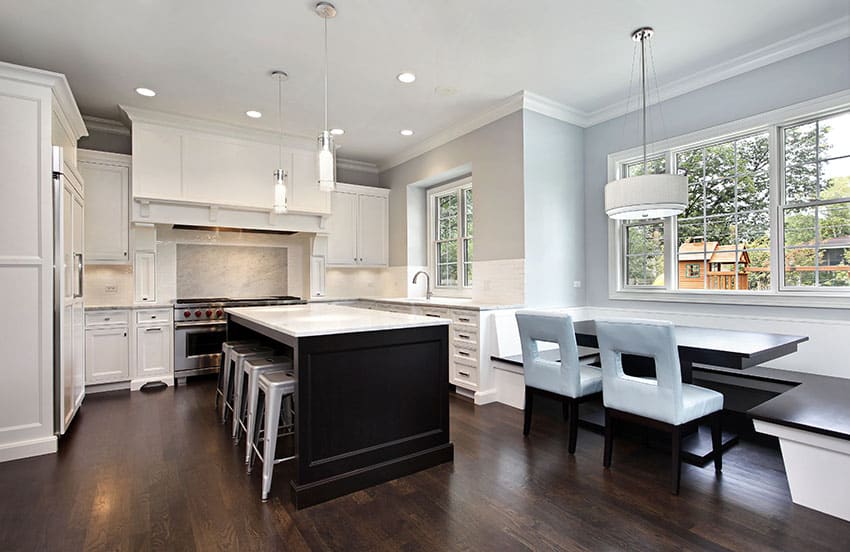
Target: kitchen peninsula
column 372, row 393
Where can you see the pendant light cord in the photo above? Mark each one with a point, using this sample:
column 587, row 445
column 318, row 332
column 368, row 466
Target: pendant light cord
column 643, row 93
column 326, row 73
column 280, row 120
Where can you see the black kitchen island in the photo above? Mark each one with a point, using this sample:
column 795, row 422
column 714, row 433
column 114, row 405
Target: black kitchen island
column 372, row 393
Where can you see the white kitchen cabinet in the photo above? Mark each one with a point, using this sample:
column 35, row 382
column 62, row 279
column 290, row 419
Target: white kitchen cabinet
column 107, row 213
column 144, row 277
column 358, row 227
column 107, row 354
column 153, row 351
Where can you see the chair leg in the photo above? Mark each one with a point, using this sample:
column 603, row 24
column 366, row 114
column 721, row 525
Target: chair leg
column 239, row 385
column 573, row 414
column 609, row 439
column 258, row 424
column 565, row 407
column 529, row 404
column 227, row 385
column 717, row 441
column 676, row 449
column 270, row 440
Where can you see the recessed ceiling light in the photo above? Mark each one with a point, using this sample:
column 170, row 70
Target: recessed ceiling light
column 406, row 132
column 253, row 114
column 406, row 78
column 337, row 131
column 145, row 92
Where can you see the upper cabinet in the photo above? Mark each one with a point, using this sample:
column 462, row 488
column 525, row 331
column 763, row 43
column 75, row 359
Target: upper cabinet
column 107, row 178
column 358, row 227
column 182, row 162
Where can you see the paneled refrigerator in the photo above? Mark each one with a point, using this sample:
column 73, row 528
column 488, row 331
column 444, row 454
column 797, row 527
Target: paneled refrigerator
column 68, row 309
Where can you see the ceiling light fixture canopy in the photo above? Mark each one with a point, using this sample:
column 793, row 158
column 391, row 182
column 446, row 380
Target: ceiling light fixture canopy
column 280, row 174
column 326, row 150
column 646, row 195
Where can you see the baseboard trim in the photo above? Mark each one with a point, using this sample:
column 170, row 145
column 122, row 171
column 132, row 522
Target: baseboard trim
column 27, row 449
column 486, row 397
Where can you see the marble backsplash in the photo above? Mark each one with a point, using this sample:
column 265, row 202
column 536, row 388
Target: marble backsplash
column 230, row 270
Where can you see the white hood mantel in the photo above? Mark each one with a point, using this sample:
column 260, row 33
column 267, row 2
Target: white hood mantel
column 202, row 173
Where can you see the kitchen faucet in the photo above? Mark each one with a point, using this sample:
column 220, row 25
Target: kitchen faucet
column 427, row 283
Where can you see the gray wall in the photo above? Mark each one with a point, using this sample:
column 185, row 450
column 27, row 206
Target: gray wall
column 494, row 154
column 553, row 166
column 816, row 73
column 107, row 141
column 354, row 176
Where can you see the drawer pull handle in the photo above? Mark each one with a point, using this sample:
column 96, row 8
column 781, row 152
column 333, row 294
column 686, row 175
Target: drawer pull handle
column 463, row 336
column 107, row 319
column 463, row 319
column 465, row 374
column 463, row 353
column 433, row 315
column 153, row 330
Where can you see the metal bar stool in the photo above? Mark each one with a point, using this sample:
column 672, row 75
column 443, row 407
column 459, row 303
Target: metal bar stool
column 238, row 355
column 221, row 384
column 245, row 394
column 277, row 388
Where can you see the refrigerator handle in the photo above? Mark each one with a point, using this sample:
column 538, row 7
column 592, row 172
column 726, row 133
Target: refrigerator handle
column 79, row 292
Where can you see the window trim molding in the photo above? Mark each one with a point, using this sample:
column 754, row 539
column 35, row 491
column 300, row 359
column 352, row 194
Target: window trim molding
column 459, row 184
column 770, row 121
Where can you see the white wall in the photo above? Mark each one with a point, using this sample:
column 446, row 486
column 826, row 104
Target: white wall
column 813, row 74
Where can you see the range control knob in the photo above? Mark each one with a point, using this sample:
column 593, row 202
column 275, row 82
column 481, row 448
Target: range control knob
column 209, row 313
column 187, row 314
column 219, row 313
column 198, row 313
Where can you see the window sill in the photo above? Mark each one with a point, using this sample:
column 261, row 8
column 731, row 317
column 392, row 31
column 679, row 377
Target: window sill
column 813, row 300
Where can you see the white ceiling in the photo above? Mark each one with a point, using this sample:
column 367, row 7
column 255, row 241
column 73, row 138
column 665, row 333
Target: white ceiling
column 210, row 58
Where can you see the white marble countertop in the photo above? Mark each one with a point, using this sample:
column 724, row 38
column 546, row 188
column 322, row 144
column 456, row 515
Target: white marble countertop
column 322, row 319
column 130, row 307
column 443, row 302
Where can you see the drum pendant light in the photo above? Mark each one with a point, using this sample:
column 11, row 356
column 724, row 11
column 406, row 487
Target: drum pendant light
column 647, row 195
column 280, row 174
column 326, row 153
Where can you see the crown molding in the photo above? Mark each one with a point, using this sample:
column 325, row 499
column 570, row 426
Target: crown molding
column 788, row 47
column 139, row 115
column 555, row 110
column 354, row 165
column 107, row 126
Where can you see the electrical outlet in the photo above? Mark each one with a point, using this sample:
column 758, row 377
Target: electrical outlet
column 577, row 284
column 111, row 289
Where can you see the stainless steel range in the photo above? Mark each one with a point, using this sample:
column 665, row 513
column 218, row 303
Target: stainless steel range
column 200, row 327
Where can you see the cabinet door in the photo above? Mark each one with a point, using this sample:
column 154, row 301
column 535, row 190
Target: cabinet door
column 304, row 193
column 107, row 212
column 153, row 351
column 107, row 355
column 144, row 275
column 342, row 230
column 372, row 231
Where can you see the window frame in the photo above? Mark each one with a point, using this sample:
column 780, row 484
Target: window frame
column 457, row 187
column 772, row 122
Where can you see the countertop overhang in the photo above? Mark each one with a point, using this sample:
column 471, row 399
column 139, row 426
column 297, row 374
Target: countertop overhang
column 323, row 319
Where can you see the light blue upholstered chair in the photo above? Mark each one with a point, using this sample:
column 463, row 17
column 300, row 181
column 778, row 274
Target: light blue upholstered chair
column 663, row 402
column 567, row 380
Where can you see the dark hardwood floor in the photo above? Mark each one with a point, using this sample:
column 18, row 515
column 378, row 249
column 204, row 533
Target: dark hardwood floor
column 155, row 471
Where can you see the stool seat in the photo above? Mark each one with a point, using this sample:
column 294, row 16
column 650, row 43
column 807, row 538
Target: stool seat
column 245, row 395
column 221, row 384
column 232, row 392
column 277, row 387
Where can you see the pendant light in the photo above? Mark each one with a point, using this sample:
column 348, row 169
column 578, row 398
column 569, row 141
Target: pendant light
column 280, row 174
column 326, row 154
column 647, row 195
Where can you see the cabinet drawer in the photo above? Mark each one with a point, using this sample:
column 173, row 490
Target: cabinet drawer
column 465, row 317
column 465, row 333
column 108, row 318
column 465, row 376
column 465, row 356
column 435, row 312
column 153, row 316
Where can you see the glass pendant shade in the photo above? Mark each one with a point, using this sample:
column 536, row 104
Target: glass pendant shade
column 646, row 196
column 327, row 163
column 280, row 191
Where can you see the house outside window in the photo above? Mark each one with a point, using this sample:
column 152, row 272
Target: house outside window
column 450, row 212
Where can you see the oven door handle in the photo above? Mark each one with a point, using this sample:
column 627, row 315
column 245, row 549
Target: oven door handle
column 201, row 324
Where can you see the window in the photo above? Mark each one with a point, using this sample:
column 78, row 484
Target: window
column 816, row 203
column 768, row 211
column 726, row 225
column 450, row 209
column 645, row 253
